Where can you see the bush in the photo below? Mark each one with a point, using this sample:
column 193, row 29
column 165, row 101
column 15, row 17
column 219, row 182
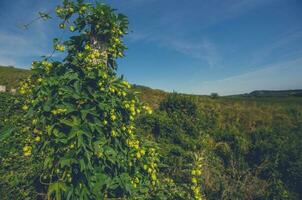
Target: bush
column 80, row 115
column 176, row 103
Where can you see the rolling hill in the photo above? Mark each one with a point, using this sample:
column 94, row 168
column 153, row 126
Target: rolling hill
column 10, row 76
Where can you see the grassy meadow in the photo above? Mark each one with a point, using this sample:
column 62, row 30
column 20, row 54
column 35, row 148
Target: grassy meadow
column 247, row 147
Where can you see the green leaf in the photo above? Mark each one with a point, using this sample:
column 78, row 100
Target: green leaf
column 6, row 132
column 56, row 188
column 82, row 165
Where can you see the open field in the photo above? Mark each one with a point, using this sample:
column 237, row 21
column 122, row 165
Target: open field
column 251, row 145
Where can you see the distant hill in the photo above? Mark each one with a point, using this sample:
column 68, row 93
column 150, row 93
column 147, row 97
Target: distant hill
column 11, row 76
column 273, row 93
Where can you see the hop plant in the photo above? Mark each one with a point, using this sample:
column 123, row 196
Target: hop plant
column 196, row 173
column 83, row 113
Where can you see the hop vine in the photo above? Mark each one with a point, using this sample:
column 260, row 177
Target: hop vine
column 82, row 113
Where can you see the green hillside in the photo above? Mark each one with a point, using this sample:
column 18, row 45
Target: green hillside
column 10, row 76
column 276, row 93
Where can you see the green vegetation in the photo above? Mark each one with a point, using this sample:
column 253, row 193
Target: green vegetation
column 78, row 131
column 277, row 93
column 249, row 149
column 78, row 127
column 10, row 76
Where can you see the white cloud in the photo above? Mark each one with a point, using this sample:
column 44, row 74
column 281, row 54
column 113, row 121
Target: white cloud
column 16, row 47
column 285, row 75
column 277, row 44
column 204, row 49
column 168, row 30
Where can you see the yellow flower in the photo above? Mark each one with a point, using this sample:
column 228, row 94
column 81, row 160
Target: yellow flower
column 136, row 180
column 34, row 121
column 99, row 154
column 59, row 47
column 113, row 133
column 36, row 131
column 138, row 155
column 112, row 90
column 142, row 151
column 153, row 177
column 113, row 117
column 87, row 47
column 71, row 28
column 22, row 91
column 38, row 139
column 25, row 107
column 132, row 109
column 198, row 172
column 28, row 153
column 80, row 55
column 27, row 150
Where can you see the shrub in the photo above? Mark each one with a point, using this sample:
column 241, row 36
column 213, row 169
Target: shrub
column 82, row 114
column 176, row 103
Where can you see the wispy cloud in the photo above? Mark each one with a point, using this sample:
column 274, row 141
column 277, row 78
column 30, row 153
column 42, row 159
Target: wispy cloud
column 230, row 9
column 283, row 75
column 277, row 45
column 170, row 32
column 17, row 47
column 203, row 49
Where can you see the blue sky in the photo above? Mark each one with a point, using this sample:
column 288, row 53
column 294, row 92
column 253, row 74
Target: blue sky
column 191, row 46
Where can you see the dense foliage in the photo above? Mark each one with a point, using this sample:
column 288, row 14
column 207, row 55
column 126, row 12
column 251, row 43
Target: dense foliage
column 79, row 121
column 78, row 131
column 251, row 150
